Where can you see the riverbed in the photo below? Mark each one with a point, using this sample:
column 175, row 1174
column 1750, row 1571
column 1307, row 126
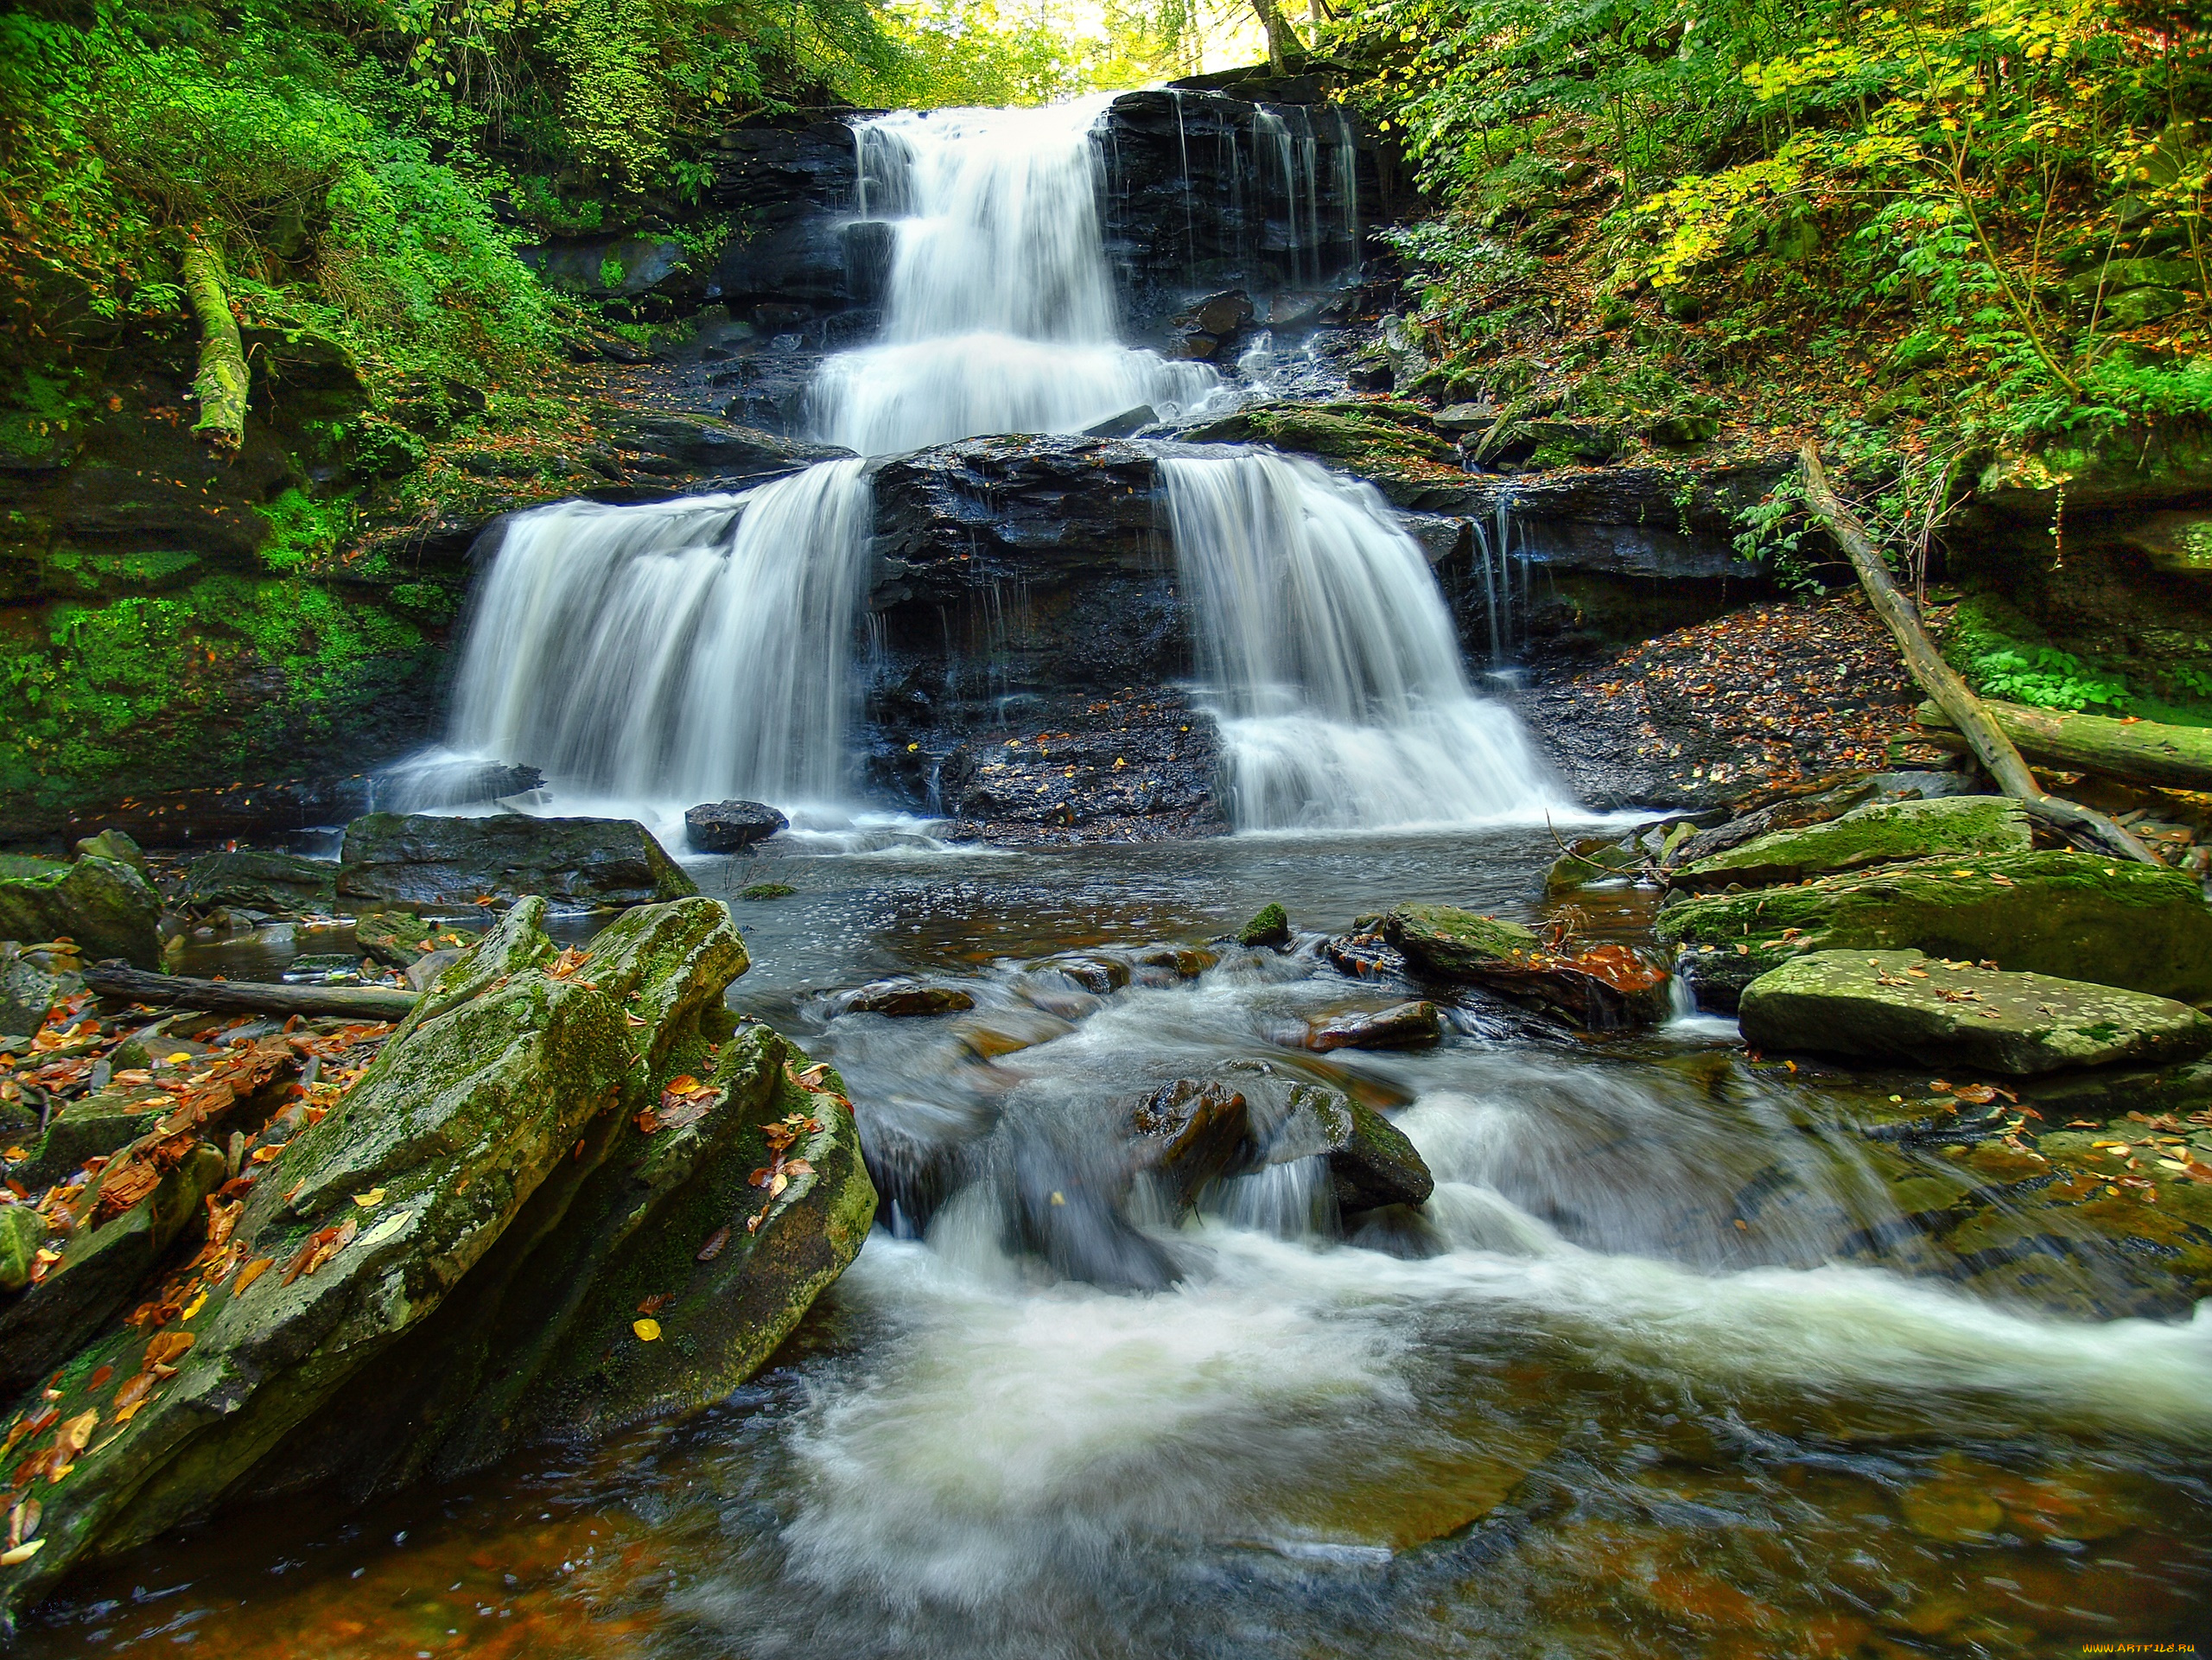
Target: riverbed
column 1666, row 1366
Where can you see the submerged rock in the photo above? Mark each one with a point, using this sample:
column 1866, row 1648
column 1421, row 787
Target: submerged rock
column 1902, row 1005
column 1371, row 1163
column 421, row 860
column 1889, row 833
column 1404, row 1025
column 906, row 999
column 1268, row 929
column 276, row 882
column 107, row 907
column 730, row 826
column 2077, row 916
column 1188, row 1133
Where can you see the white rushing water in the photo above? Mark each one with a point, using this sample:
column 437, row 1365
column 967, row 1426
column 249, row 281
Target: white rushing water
column 1330, row 659
column 689, row 650
column 1000, row 315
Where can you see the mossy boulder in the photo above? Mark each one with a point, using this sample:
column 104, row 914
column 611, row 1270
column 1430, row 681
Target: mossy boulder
column 1885, row 832
column 2076, row 916
column 1903, row 1006
column 1445, row 940
column 1371, row 1163
column 1268, row 929
column 22, row 1230
column 418, row 859
column 281, row 883
column 503, row 1141
column 108, row 908
column 27, row 992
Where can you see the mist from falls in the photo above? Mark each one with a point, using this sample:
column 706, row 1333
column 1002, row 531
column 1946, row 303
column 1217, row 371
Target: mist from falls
column 1000, row 313
column 703, row 649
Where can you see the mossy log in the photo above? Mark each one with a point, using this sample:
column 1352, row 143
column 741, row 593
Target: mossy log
column 115, row 979
column 1940, row 681
column 221, row 383
column 2135, row 752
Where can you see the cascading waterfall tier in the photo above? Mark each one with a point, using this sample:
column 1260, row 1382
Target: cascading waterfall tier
column 1330, row 656
column 687, row 651
column 999, row 311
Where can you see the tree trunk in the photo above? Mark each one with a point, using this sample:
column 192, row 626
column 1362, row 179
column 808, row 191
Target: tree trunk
column 2136, row 751
column 222, row 383
column 1282, row 40
column 116, row 979
column 1942, row 682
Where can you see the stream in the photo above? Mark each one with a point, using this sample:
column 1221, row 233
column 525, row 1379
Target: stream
column 1659, row 1373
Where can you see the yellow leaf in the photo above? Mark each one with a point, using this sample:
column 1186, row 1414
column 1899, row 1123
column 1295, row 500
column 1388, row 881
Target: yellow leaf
column 369, row 1200
column 648, row 1331
column 194, row 1306
column 21, row 1553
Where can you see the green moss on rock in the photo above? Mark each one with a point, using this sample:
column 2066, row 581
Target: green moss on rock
column 1902, row 1005
column 1888, row 832
column 108, row 908
column 2073, row 915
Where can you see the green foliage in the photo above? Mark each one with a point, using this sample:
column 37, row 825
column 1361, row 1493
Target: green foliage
column 1995, row 180
column 2047, row 677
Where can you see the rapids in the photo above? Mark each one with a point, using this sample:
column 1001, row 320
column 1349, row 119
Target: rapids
column 1575, row 1410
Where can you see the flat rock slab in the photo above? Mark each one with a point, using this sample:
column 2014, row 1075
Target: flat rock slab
column 1902, row 1005
column 1886, row 832
column 2079, row 916
column 251, row 880
column 1404, row 1025
column 418, row 859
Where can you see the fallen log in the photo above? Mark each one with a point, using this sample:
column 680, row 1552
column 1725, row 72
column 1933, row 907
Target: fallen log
column 116, row 978
column 2135, row 752
column 1940, row 681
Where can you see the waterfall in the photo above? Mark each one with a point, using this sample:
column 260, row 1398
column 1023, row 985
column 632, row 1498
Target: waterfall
column 1000, row 312
column 687, row 651
column 702, row 649
column 1330, row 659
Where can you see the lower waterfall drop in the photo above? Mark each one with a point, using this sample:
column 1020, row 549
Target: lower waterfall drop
column 686, row 651
column 1331, row 659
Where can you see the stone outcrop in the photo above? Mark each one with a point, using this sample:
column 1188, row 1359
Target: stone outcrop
column 279, row 883
column 1026, row 623
column 452, row 1261
column 417, row 859
column 1903, row 1006
column 1594, row 986
column 106, row 907
column 1879, row 833
column 2076, row 916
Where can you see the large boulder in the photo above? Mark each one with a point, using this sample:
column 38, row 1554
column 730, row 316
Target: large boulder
column 452, row 1260
column 255, row 881
column 731, row 826
column 1371, row 1163
column 1885, row 832
column 27, row 992
column 108, row 908
column 2077, row 916
column 421, row 860
column 1904, row 1006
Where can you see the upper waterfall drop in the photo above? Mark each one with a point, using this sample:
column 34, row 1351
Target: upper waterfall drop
column 999, row 312
column 1331, row 659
